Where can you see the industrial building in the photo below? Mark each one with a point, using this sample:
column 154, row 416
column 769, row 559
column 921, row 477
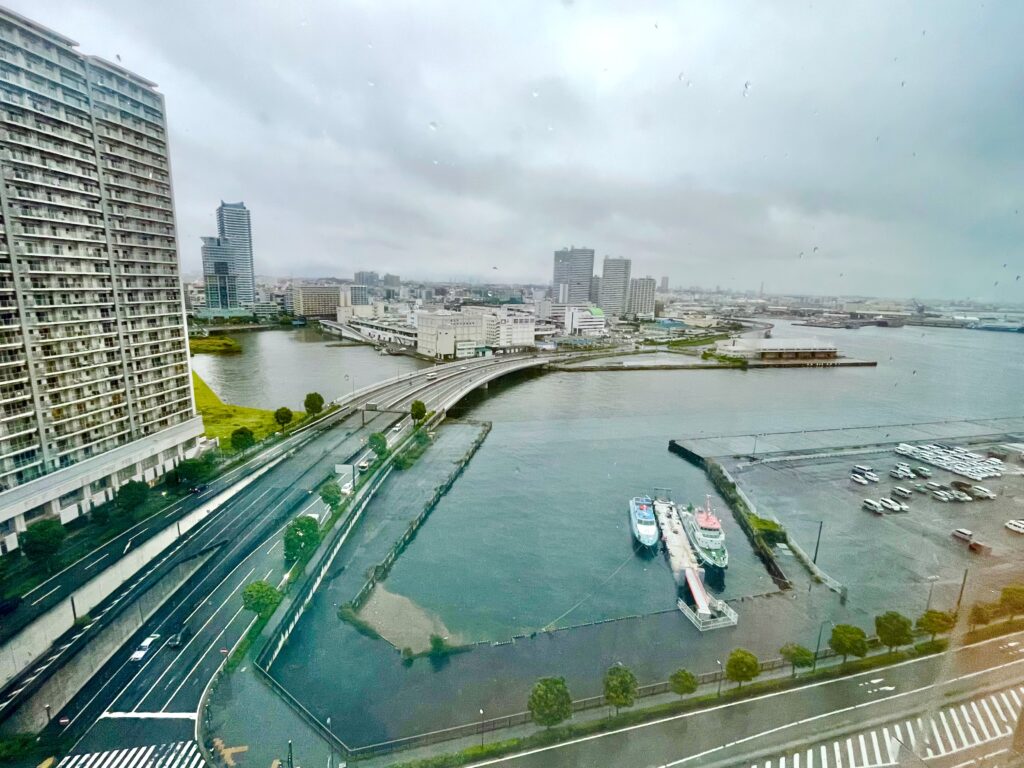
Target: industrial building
column 778, row 349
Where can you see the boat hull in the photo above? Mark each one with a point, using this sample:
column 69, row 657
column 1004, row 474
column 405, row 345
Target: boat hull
column 708, row 557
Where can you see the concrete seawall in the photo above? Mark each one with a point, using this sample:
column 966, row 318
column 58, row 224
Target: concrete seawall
column 62, row 686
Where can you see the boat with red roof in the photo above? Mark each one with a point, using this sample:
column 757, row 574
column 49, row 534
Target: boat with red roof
column 704, row 530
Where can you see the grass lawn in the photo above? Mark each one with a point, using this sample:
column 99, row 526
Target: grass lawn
column 213, row 344
column 221, row 419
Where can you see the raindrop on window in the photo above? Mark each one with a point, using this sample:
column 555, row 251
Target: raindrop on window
column 815, row 249
column 746, row 88
column 433, row 125
column 535, row 94
column 370, row 83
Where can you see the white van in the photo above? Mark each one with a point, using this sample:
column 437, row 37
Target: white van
column 861, row 469
column 873, row 506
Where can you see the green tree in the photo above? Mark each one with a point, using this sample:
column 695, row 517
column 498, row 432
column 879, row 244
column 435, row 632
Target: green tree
column 550, row 702
column 418, row 410
column 378, row 444
column 933, row 622
column 1011, row 599
column 981, row 614
column 742, row 666
column 848, row 640
column 619, row 687
column 682, row 682
column 261, row 597
column 242, row 439
column 797, row 656
column 283, row 415
column 300, row 538
column 192, row 471
column 314, row 403
column 131, row 495
column 41, row 542
column 331, row 494
column 893, row 630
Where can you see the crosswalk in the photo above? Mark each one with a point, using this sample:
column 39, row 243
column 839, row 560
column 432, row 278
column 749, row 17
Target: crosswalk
column 955, row 728
column 179, row 754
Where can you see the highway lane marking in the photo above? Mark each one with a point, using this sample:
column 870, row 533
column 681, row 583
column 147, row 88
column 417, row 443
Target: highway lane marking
column 39, row 600
column 97, row 561
column 202, row 657
column 151, row 715
column 755, row 699
column 195, row 636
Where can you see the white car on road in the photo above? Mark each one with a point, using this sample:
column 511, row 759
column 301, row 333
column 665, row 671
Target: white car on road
column 143, row 649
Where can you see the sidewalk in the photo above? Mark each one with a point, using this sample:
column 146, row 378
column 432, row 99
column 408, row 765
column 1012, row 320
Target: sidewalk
column 269, row 723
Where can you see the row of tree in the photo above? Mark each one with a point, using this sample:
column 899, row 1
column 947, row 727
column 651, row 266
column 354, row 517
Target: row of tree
column 243, row 438
column 550, row 701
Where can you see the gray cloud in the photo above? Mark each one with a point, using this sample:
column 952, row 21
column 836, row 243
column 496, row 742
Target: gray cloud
column 713, row 144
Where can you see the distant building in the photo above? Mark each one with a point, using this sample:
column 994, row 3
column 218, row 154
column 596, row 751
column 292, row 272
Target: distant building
column 585, row 321
column 506, row 330
column 664, row 284
column 355, row 295
column 392, row 281
column 641, row 297
column 227, row 260
column 614, row 298
column 445, row 334
column 573, row 269
column 777, row 349
column 595, row 289
column 315, row 300
column 369, row 279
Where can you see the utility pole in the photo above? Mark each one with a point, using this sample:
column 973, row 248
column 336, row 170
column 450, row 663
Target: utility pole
column 291, row 761
column 963, row 585
column 818, row 542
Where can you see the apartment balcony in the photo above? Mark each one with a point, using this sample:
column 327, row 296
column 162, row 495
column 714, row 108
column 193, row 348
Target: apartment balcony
column 147, row 201
column 46, row 129
column 21, row 176
column 129, row 127
column 43, row 213
column 153, row 188
column 112, row 437
column 8, row 359
column 11, row 448
column 60, row 149
column 36, row 160
column 117, row 213
column 15, row 193
column 7, row 466
column 39, row 107
column 63, row 94
column 132, row 140
column 131, row 168
column 14, row 429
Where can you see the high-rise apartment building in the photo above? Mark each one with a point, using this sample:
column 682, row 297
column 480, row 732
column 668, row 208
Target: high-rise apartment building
column 95, row 386
column 664, row 284
column 570, row 283
column 369, row 279
column 641, row 297
column 228, row 270
column 315, row 300
column 595, row 289
column 614, row 298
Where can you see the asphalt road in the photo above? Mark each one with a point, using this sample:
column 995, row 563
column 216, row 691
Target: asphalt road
column 768, row 728
column 163, row 690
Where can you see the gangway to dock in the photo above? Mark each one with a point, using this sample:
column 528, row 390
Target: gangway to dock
column 708, row 612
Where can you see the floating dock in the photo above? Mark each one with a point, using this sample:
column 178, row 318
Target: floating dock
column 707, row 612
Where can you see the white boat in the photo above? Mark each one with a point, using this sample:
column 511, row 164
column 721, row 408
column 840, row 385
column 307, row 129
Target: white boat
column 704, row 530
column 641, row 521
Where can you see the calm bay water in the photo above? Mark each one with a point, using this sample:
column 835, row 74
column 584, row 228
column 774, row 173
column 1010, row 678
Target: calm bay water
column 278, row 368
column 535, row 531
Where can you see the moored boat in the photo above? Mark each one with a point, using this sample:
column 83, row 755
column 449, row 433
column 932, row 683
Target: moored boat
column 641, row 521
column 704, row 530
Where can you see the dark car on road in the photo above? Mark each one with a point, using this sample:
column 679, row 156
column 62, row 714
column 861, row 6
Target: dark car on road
column 180, row 637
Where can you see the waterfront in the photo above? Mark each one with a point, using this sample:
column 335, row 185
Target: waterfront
column 279, row 367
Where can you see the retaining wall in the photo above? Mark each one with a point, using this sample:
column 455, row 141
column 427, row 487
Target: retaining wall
column 61, row 687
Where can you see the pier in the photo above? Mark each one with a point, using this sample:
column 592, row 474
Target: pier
column 708, row 612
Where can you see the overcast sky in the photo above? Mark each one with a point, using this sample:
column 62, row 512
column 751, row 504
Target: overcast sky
column 853, row 148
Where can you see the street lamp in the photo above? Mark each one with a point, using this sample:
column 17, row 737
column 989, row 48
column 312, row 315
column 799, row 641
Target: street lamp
column 931, row 589
column 721, row 676
column 817, row 646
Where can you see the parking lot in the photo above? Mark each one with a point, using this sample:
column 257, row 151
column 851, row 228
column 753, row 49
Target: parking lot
column 890, row 560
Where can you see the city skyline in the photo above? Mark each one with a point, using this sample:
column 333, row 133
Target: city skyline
column 775, row 168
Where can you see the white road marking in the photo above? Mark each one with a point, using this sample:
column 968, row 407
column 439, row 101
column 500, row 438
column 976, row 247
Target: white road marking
column 40, row 599
column 180, row 754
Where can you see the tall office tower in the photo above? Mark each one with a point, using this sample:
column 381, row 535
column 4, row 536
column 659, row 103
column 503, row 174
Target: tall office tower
column 95, row 385
column 615, row 286
column 664, row 284
column 369, row 279
column 573, row 269
column 228, row 270
column 595, row 289
column 641, row 297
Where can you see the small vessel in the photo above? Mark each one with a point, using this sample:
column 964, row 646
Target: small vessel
column 704, row 530
column 642, row 522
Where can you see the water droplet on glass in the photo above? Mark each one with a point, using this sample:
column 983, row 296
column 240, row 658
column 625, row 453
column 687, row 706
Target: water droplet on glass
column 369, row 45
column 433, row 125
column 550, row 128
column 902, row 83
column 914, row 372
column 746, row 88
column 435, row 162
column 815, row 249
column 370, row 83
column 535, row 94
